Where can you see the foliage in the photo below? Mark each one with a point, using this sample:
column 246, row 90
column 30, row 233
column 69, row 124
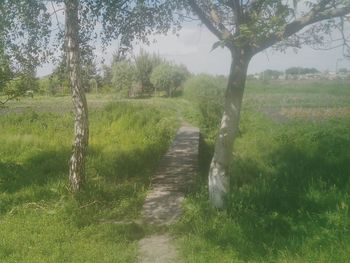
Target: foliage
column 54, row 84
column 168, row 77
column 19, row 86
column 6, row 74
column 126, row 144
column 343, row 70
column 24, row 30
column 144, row 65
column 24, row 33
column 257, row 25
column 207, row 93
column 301, row 71
column 123, row 75
column 247, row 28
column 270, row 74
column 30, row 32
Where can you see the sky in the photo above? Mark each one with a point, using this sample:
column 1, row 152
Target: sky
column 192, row 47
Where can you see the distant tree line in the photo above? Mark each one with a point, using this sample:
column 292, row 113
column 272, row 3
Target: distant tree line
column 144, row 74
column 270, row 74
column 301, row 71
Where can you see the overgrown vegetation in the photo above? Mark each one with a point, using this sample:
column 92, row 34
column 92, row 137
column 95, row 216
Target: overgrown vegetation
column 290, row 199
column 40, row 220
column 207, row 94
column 126, row 77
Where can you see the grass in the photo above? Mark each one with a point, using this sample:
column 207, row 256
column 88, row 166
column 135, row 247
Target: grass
column 290, row 186
column 40, row 220
column 297, row 94
column 290, row 178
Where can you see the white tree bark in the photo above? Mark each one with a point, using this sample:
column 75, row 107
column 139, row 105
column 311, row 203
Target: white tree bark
column 219, row 180
column 81, row 125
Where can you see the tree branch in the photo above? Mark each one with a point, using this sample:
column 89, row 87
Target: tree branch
column 55, row 12
column 317, row 14
column 205, row 20
column 10, row 97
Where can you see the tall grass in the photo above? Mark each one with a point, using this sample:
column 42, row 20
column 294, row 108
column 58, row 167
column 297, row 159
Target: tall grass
column 207, row 95
column 290, row 193
column 40, row 221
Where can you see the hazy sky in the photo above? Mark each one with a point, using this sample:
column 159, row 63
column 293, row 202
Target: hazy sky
column 193, row 49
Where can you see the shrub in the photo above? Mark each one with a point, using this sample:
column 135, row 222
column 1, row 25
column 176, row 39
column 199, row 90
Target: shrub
column 168, row 77
column 20, row 85
column 207, row 92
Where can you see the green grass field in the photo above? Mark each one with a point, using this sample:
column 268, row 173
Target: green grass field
column 290, row 189
column 40, row 220
column 290, row 181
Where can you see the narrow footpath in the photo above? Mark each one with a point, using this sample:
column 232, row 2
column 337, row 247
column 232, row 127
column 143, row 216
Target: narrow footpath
column 172, row 180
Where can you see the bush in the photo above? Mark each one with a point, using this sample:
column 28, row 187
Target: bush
column 168, row 77
column 208, row 93
column 20, row 85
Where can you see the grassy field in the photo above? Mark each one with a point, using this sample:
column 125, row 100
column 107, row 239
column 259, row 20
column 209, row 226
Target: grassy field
column 40, row 221
column 291, row 190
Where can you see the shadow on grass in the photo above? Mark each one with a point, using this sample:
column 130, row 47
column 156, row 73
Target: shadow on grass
column 48, row 166
column 299, row 202
column 115, row 183
column 300, row 199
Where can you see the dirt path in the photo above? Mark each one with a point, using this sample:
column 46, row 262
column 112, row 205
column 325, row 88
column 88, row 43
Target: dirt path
column 173, row 178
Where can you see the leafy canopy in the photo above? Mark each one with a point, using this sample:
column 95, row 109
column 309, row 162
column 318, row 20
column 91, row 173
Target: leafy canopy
column 255, row 25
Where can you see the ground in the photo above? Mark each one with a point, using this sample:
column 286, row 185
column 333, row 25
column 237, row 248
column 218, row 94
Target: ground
column 290, row 171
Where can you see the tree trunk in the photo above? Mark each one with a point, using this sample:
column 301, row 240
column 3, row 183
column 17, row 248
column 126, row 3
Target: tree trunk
column 219, row 181
column 81, row 125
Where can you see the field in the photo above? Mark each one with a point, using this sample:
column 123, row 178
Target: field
column 290, row 189
column 290, row 198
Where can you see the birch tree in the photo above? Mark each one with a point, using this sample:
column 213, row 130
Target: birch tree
column 246, row 28
column 123, row 20
column 27, row 28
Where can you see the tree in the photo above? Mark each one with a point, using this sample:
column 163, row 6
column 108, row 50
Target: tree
column 269, row 74
column 123, row 75
column 24, row 28
column 25, row 33
column 301, row 71
column 6, row 73
column 168, row 77
column 343, row 70
column 81, row 122
column 144, row 65
column 126, row 20
column 247, row 28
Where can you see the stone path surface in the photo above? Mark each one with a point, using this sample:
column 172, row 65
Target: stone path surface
column 158, row 249
column 171, row 181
